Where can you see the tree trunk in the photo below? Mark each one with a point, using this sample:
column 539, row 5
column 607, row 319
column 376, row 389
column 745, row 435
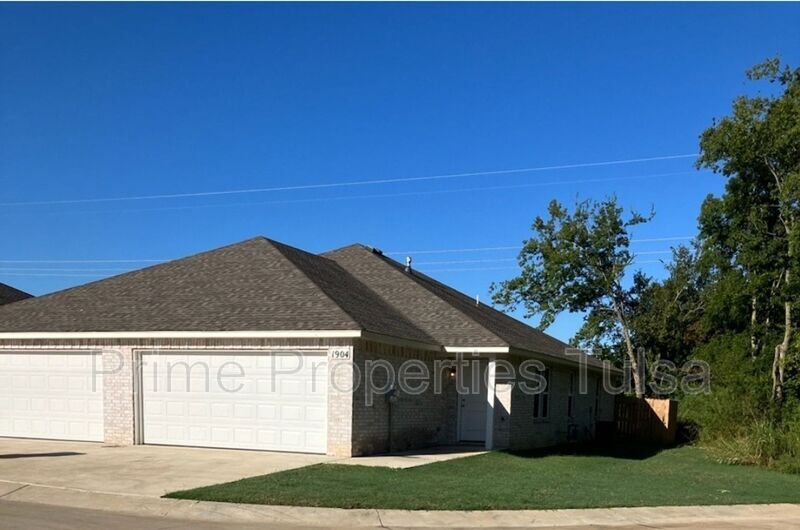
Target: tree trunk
column 638, row 385
column 779, row 361
column 754, row 342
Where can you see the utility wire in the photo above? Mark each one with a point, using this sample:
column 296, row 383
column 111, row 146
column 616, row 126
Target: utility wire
column 466, row 269
column 427, row 271
column 494, row 260
column 440, row 251
column 84, row 260
column 52, row 269
column 347, row 197
column 518, row 247
column 347, row 183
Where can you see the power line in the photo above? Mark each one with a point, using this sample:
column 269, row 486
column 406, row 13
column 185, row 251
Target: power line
column 439, row 251
column 46, row 269
column 458, row 261
column 495, row 260
column 9, row 270
column 79, row 273
column 84, row 260
column 518, row 247
column 454, row 250
column 351, row 197
column 652, row 239
column 54, row 275
column 433, row 271
column 348, row 183
column 510, row 267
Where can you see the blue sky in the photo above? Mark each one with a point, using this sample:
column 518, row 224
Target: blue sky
column 114, row 101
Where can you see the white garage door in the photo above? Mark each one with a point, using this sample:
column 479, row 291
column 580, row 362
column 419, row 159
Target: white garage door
column 51, row 395
column 274, row 402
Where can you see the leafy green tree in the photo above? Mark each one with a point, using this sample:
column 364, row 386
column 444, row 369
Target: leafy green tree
column 577, row 262
column 755, row 225
column 667, row 319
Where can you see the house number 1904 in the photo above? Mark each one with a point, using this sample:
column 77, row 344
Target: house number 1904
column 339, row 354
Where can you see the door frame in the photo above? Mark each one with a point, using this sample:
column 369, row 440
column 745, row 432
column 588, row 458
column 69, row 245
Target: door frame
column 488, row 367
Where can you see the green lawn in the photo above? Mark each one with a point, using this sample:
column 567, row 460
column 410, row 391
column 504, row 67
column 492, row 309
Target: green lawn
column 534, row 480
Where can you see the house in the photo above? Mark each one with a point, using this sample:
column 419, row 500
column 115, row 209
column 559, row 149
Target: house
column 9, row 294
column 259, row 345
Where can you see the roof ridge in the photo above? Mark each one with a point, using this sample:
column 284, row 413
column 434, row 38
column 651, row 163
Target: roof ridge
column 479, row 304
column 10, row 294
column 399, row 266
column 14, row 289
column 146, row 268
column 280, row 247
column 415, row 275
column 322, row 255
column 397, row 315
column 421, row 279
column 361, row 246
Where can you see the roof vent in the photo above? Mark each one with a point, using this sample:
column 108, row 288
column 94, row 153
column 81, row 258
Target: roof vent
column 408, row 264
column 377, row 251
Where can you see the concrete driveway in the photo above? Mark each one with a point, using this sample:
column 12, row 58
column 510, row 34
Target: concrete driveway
column 136, row 470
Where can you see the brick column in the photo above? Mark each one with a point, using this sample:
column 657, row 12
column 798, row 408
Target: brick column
column 118, row 402
column 340, row 406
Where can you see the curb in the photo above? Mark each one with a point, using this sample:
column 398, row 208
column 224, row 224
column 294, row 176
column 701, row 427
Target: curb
column 369, row 518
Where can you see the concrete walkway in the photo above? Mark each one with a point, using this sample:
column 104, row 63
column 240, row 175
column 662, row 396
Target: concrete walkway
column 741, row 516
column 138, row 469
column 406, row 459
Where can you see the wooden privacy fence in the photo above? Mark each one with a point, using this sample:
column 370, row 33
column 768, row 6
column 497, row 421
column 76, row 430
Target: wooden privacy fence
column 646, row 420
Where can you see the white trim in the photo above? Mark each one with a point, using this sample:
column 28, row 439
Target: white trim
column 468, row 349
column 296, row 334
column 490, row 397
column 138, row 401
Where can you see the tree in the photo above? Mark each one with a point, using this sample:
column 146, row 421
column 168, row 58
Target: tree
column 577, row 262
column 667, row 318
column 756, row 223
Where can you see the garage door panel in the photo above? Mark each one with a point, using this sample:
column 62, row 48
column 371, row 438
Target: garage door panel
column 55, row 395
column 254, row 405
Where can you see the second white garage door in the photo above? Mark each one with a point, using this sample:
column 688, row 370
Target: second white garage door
column 274, row 402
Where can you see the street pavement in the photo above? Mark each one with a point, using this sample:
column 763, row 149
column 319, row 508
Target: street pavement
column 21, row 515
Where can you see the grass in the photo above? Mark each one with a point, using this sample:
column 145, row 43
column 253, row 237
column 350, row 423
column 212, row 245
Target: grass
column 565, row 478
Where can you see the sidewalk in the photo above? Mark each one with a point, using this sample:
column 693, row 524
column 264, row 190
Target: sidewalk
column 334, row 517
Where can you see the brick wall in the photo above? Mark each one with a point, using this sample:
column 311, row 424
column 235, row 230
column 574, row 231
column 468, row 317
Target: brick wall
column 558, row 428
column 415, row 419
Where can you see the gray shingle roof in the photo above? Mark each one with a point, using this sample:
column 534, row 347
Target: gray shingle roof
column 255, row 285
column 451, row 317
column 263, row 285
column 10, row 294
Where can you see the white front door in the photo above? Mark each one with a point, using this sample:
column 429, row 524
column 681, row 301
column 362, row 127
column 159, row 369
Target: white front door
column 473, row 403
column 55, row 395
column 240, row 400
